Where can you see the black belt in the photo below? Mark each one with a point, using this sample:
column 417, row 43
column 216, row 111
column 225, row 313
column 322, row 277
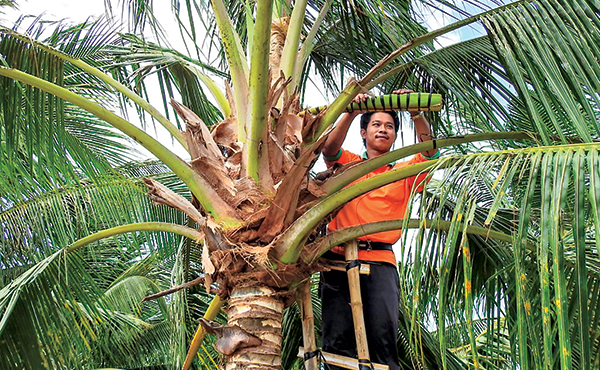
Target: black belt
column 375, row 246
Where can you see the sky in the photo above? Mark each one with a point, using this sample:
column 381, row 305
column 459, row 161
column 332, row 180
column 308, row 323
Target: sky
column 57, row 9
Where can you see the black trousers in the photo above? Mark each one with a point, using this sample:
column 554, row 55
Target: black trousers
column 380, row 295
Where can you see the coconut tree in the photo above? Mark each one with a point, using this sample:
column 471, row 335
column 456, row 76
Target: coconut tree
column 504, row 267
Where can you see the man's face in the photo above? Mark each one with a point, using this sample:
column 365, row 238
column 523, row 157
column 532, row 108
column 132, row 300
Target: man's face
column 380, row 133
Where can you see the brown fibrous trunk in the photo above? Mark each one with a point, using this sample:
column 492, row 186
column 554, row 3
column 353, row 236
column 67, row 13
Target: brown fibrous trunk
column 259, row 311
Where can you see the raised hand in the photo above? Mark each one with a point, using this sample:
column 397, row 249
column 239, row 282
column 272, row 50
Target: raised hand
column 413, row 113
column 402, row 91
column 361, row 98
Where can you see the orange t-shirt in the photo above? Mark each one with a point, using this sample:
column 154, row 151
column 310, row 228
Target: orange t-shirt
column 385, row 203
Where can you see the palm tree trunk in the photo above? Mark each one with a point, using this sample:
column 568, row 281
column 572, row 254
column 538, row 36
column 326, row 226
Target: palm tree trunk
column 259, row 311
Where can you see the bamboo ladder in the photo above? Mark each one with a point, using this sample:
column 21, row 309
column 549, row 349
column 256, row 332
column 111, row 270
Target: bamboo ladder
column 309, row 351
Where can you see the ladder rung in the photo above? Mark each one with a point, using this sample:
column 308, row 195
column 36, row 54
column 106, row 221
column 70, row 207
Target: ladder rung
column 365, row 268
column 342, row 361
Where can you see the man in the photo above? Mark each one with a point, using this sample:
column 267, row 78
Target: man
column 379, row 289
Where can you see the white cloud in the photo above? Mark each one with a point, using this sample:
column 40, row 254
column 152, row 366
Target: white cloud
column 77, row 11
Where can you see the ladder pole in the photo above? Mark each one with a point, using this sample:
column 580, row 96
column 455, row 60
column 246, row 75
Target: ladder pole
column 351, row 252
column 308, row 326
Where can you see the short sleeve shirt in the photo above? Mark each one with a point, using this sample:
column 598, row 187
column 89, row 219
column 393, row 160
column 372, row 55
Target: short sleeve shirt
column 388, row 202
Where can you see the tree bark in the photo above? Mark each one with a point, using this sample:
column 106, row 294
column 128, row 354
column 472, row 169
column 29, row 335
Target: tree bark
column 259, row 311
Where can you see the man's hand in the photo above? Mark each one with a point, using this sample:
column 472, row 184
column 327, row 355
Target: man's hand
column 338, row 134
column 413, row 113
column 422, row 127
column 361, row 98
column 402, row 91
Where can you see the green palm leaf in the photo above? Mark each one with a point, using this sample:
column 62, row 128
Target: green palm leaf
column 520, row 280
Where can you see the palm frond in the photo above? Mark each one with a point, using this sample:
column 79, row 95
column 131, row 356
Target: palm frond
column 552, row 254
column 137, row 14
column 352, row 39
column 42, row 136
column 545, row 66
column 450, row 71
column 98, row 290
column 138, row 60
column 48, row 290
column 37, row 227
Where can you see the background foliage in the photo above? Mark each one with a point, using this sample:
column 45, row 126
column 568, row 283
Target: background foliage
column 468, row 301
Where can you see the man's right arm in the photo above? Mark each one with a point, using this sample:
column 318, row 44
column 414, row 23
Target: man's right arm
column 338, row 134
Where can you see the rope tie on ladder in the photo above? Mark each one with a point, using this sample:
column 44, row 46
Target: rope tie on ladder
column 309, row 355
column 319, row 354
column 365, row 364
column 352, row 264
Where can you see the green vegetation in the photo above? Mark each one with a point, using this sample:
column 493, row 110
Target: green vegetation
column 503, row 271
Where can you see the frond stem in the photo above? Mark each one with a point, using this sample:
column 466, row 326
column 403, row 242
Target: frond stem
column 237, row 64
column 211, row 312
column 289, row 55
column 360, row 169
column 139, row 226
column 308, row 44
column 254, row 155
column 208, row 198
column 173, row 130
column 335, row 238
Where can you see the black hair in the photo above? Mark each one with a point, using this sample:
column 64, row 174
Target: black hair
column 366, row 118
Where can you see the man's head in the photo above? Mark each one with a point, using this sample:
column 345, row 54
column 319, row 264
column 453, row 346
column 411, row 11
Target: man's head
column 379, row 129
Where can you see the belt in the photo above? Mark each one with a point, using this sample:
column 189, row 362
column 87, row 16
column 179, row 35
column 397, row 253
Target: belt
column 375, row 246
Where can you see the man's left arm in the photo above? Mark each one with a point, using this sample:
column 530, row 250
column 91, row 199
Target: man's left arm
column 422, row 127
column 423, row 130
